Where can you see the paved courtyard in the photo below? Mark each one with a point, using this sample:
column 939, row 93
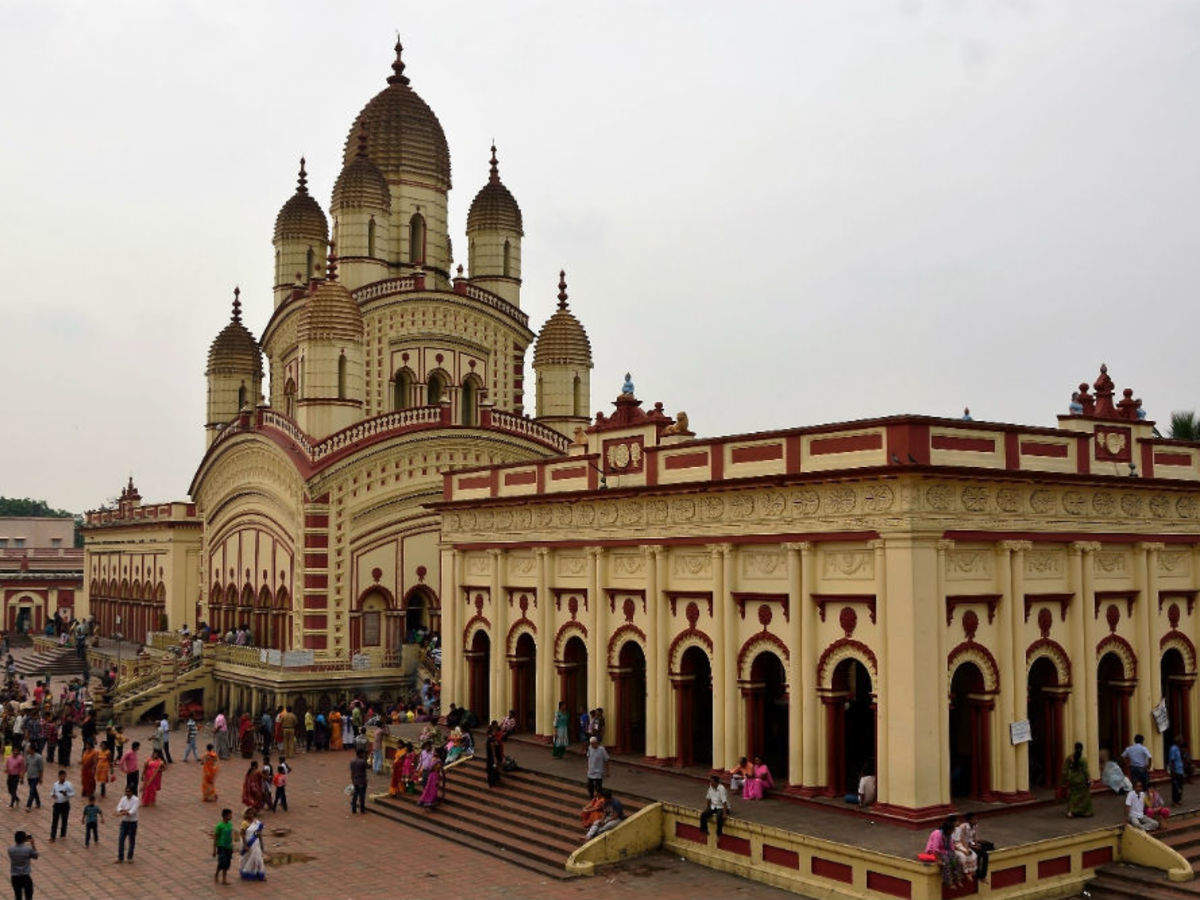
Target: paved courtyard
column 332, row 853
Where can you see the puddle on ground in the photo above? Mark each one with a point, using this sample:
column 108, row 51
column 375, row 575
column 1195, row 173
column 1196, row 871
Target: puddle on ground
column 644, row 871
column 280, row 832
column 285, row 859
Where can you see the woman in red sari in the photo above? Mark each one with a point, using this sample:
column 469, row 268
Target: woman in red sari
column 152, row 778
column 252, row 794
column 87, row 768
column 246, row 736
column 208, row 783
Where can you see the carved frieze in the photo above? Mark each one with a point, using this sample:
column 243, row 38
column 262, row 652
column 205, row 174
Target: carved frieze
column 691, row 565
column 623, row 565
column 1175, row 562
column 1112, row 562
column 971, row 564
column 757, row 564
column 857, row 564
column 1044, row 564
column 570, row 566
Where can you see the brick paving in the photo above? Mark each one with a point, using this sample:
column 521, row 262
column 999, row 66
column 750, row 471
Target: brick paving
column 355, row 857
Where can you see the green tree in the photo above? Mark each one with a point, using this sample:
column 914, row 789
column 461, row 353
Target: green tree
column 1185, row 426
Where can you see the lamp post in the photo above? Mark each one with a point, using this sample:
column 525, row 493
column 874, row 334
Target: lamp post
column 118, row 637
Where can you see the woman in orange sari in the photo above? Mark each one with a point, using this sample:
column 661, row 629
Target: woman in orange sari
column 335, row 730
column 87, row 769
column 397, row 786
column 104, row 769
column 208, row 783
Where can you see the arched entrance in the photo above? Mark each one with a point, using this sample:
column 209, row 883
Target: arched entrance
column 479, row 664
column 970, row 734
column 24, row 620
column 630, row 681
column 415, row 614
column 767, row 713
column 849, row 726
column 1044, row 709
column 694, row 709
column 1112, row 695
column 524, row 681
column 1177, row 687
column 572, row 675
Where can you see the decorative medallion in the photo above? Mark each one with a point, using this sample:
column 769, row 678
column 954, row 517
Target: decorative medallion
column 772, row 503
column 683, row 510
column 878, row 498
column 656, row 511
column 1131, row 504
column 1074, row 503
column 1173, row 615
column 1185, row 507
column 741, row 506
column 764, row 615
column 1008, row 499
column 1160, row 506
column 479, row 604
column 585, row 513
column 714, row 508
column 805, row 501
column 975, row 498
column 1045, row 621
column 938, row 497
column 1112, row 615
column 692, row 614
column 1104, row 503
column 840, row 499
column 628, row 608
column 1042, row 501
column 376, row 573
column 573, row 606
column 523, row 603
column 970, row 624
column 848, row 619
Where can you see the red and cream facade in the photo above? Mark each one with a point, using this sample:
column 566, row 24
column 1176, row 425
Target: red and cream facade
column 41, row 571
column 899, row 590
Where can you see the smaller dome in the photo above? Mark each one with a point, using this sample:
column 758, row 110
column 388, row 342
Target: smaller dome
column 235, row 350
column 330, row 313
column 494, row 206
column 562, row 340
column 361, row 185
column 301, row 218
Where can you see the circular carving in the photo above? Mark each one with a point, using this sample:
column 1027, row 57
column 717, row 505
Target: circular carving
column 1160, row 506
column 1112, row 615
column 714, row 508
column 1104, row 503
column 503, row 519
column 772, row 503
column 805, row 501
column 1042, row 501
column 628, row 608
column 377, row 573
column 970, row 624
column 522, row 518
column 1045, row 621
column 1185, row 507
column 764, row 615
column 585, row 513
column 692, row 614
column 1131, row 504
column 656, row 511
column 1008, row 499
column 848, row 619
column 878, row 498
column 741, row 506
column 630, row 513
column 938, row 497
column 545, row 517
column 1074, row 503
column 618, row 455
column 974, row 498
column 840, row 499
column 683, row 510
column 607, row 513
column 1173, row 615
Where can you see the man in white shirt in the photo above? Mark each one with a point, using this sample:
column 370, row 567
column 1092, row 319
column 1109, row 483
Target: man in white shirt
column 164, row 728
column 1135, row 806
column 62, row 792
column 716, row 803
column 127, row 814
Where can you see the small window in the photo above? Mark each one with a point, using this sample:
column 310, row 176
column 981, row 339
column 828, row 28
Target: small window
column 416, row 239
column 3, row 542
column 506, row 253
column 289, row 399
column 402, row 391
column 371, row 238
column 55, row 542
column 342, row 377
column 18, row 542
column 242, row 397
column 580, row 399
column 468, row 397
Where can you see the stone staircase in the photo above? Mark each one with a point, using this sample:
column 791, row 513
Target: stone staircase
column 1129, row 882
column 530, row 819
column 57, row 661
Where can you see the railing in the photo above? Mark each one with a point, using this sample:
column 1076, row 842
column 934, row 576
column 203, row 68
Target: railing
column 487, row 298
column 379, row 425
column 280, row 422
column 402, row 285
column 529, row 428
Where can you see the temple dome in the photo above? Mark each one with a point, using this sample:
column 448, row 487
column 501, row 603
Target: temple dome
column 301, row 218
column 330, row 313
column 361, row 185
column 494, row 206
column 403, row 136
column 235, row 350
column 562, row 340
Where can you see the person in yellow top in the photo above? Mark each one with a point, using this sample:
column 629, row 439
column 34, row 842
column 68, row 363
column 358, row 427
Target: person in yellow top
column 310, row 727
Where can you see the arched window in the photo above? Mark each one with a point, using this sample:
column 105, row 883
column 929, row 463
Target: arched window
column 506, row 252
column 241, row 396
column 416, row 239
column 371, row 237
column 580, row 400
column 470, row 400
column 308, row 263
column 342, row 377
column 289, row 399
column 433, row 390
column 402, row 390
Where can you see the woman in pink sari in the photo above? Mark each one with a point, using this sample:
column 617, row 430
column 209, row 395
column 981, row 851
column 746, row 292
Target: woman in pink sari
column 758, row 782
column 435, row 782
column 152, row 778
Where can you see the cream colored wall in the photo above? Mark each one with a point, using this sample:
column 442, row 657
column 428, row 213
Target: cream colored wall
column 356, row 264
column 556, row 398
column 291, row 257
column 223, row 390
column 407, row 199
column 485, row 262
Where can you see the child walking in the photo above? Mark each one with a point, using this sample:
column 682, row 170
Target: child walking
column 223, row 846
column 280, row 780
column 92, row 816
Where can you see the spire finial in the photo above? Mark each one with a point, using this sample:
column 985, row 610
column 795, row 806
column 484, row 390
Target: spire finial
column 331, row 266
column 398, row 66
column 302, row 181
column 562, row 289
column 237, row 305
column 495, row 176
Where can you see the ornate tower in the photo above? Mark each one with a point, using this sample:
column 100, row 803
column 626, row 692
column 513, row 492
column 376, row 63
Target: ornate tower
column 301, row 235
column 234, row 372
column 362, row 225
column 562, row 364
column 329, row 337
column 494, row 235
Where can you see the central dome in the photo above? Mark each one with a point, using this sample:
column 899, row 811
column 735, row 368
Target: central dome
column 403, row 136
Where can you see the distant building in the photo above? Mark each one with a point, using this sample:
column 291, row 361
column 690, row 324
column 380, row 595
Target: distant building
column 41, row 570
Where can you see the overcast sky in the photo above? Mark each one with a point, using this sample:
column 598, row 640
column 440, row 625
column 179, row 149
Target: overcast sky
column 773, row 214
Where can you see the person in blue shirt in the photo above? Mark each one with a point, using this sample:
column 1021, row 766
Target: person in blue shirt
column 1138, row 756
column 1176, row 770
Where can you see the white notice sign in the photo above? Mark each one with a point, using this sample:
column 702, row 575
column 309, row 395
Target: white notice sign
column 1019, row 732
column 1161, row 718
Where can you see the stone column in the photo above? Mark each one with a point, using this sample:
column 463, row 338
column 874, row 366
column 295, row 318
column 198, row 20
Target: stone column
column 1006, row 701
column 1016, row 620
column 795, row 676
column 734, row 738
column 1084, row 673
column 599, row 630
column 1146, row 569
column 1077, row 648
column 499, row 691
column 882, row 760
column 809, row 704
column 655, row 655
column 546, row 695
column 662, row 687
column 451, row 637
column 943, row 651
column 720, row 613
